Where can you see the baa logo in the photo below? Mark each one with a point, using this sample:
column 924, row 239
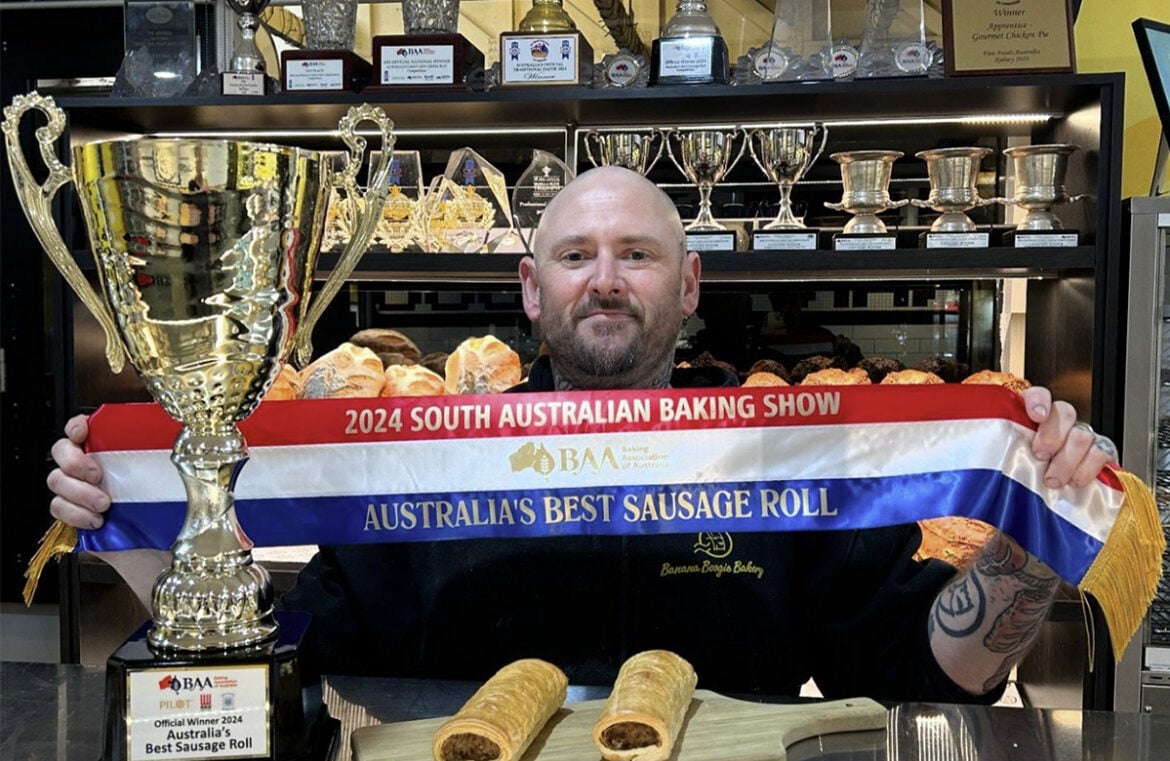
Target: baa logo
column 177, row 684
column 567, row 459
column 529, row 456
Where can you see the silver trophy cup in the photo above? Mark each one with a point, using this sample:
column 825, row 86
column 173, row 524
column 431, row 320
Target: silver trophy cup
column 865, row 176
column 633, row 150
column 705, row 157
column 953, row 174
column 784, row 155
column 1039, row 172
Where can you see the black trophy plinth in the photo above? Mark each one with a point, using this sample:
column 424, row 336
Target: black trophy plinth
column 323, row 71
column 237, row 704
column 423, row 62
column 689, row 61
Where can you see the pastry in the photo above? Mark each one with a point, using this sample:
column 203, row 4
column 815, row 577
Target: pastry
column 645, row 711
column 762, row 378
column 501, row 719
column 347, row 371
column 286, row 386
column 879, row 367
column 911, row 378
column 835, row 377
column 387, row 341
column 412, row 380
column 993, row 378
column 484, row 365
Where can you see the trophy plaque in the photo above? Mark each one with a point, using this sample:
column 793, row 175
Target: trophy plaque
column 546, row 176
column 328, row 63
column 953, row 174
column 865, row 176
column 796, row 50
column 546, row 49
column 633, row 150
column 206, row 290
column 1039, row 171
column 691, row 51
column 246, row 74
column 706, row 157
column 784, row 155
column 431, row 55
column 894, row 41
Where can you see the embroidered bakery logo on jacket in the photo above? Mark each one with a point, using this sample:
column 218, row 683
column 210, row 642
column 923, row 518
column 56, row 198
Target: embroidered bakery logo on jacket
column 717, row 545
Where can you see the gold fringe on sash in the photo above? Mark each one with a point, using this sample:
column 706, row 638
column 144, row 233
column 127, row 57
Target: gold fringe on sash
column 1124, row 577
column 60, row 539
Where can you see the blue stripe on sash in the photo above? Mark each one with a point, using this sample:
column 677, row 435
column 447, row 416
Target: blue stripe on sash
column 794, row 505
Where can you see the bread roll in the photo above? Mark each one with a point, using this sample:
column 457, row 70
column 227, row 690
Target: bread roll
column 835, row 377
column 645, row 711
column 412, row 380
column 286, row 386
column 911, row 378
column 761, row 378
column 387, row 341
column 993, row 378
column 500, row 720
column 347, row 371
column 483, row 365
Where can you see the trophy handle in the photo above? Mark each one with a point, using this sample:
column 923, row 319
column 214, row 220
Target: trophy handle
column 920, row 203
column 370, row 212
column 742, row 148
column 661, row 145
column 824, row 141
column 37, row 202
column 590, row 135
column 897, row 204
column 666, row 136
column 834, row 206
column 751, row 143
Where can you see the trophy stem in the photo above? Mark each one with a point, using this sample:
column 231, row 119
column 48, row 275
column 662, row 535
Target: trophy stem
column 213, row 597
column 247, row 57
column 704, row 220
column 785, row 219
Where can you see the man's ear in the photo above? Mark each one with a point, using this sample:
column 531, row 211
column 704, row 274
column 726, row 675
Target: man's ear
column 530, row 288
column 692, row 269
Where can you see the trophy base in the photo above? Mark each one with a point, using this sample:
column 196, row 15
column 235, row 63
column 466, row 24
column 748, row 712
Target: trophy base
column 323, row 71
column 865, row 242
column 1042, row 238
column 784, row 240
column 243, row 83
column 689, row 61
column 711, row 240
column 416, row 62
column 975, row 239
column 245, row 704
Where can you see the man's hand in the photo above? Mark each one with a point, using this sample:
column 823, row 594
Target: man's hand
column 78, row 501
column 1074, row 453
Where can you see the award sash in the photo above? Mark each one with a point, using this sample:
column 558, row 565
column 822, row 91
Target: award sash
column 346, row 471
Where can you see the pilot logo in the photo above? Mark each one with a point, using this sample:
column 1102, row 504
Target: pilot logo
column 715, row 544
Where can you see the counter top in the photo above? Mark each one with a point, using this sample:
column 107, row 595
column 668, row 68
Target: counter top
column 52, row 711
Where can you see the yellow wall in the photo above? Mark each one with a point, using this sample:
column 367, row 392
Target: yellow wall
column 1105, row 42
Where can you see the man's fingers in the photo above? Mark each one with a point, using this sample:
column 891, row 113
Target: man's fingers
column 1053, row 430
column 74, row 462
column 77, row 429
column 74, row 514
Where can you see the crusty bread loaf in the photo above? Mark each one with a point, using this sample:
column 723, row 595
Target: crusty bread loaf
column 911, row 378
column 994, row 378
column 484, row 365
column 412, row 380
column 387, row 341
column 836, row 377
column 347, row 371
column 286, row 386
column 436, row 362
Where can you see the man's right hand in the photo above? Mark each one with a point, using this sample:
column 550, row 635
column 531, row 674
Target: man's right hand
column 78, row 501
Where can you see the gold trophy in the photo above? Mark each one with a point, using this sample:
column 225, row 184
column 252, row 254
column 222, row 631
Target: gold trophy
column 547, row 16
column 205, row 251
column 546, row 49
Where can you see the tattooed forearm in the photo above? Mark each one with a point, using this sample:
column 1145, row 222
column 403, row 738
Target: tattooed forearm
column 1001, row 557
column 960, row 608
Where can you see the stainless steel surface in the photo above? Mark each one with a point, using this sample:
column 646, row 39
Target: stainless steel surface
column 55, row 712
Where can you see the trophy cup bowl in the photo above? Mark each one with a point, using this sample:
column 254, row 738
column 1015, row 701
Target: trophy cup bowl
column 784, row 155
column 865, row 176
column 430, row 16
column 205, row 251
column 546, row 16
column 705, row 158
column 953, row 173
column 329, row 24
column 633, row 150
column 1039, row 172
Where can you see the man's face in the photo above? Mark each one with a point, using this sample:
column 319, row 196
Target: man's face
column 610, row 285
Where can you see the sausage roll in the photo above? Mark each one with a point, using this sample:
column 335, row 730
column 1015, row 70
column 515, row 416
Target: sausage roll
column 502, row 718
column 644, row 713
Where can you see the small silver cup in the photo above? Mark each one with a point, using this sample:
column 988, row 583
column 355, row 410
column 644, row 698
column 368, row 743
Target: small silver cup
column 1039, row 172
column 705, row 158
column 865, row 176
column 784, row 155
column 633, row 150
column 953, row 174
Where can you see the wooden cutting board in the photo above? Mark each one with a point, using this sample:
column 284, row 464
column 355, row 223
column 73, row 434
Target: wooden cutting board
column 716, row 729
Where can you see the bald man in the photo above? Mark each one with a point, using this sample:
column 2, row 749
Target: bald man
column 609, row 285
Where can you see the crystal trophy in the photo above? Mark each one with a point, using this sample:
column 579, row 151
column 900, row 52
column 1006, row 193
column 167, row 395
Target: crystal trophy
column 467, row 204
column 161, row 58
column 546, row 176
column 691, row 50
column 398, row 229
column 430, row 55
column 328, row 62
column 893, row 43
column 796, row 50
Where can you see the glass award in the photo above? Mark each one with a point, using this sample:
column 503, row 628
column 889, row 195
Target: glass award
column 893, row 40
column 546, row 176
column 465, row 204
column 398, row 229
column 161, row 58
column 797, row 49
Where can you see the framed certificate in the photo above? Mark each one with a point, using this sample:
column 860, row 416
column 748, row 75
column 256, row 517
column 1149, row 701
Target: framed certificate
column 1005, row 36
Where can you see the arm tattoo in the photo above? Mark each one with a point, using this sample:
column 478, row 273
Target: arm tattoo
column 1001, row 557
column 960, row 608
